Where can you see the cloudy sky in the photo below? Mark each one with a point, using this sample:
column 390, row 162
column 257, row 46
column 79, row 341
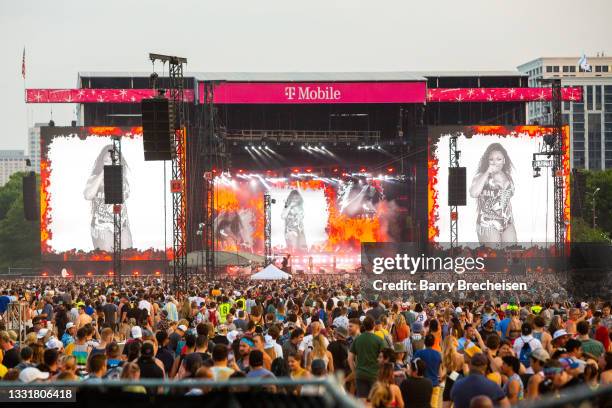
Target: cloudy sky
column 63, row 37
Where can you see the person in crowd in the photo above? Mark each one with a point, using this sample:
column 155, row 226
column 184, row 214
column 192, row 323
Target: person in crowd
column 131, row 371
column 221, row 369
column 538, row 357
column 417, row 389
column 385, row 385
column 513, row 387
column 363, row 358
column 433, row 366
column 590, row 346
column 476, row 384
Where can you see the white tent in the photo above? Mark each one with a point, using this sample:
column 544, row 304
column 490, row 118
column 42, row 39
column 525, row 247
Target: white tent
column 270, row 272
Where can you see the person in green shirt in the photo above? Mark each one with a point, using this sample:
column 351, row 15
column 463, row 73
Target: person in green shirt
column 589, row 345
column 363, row 357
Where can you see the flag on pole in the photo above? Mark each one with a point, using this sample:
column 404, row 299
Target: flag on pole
column 584, row 64
column 23, row 67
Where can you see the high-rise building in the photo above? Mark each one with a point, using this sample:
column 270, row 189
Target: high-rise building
column 590, row 120
column 11, row 161
column 34, row 145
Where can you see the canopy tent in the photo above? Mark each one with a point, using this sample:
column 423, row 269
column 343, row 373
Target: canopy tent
column 270, row 272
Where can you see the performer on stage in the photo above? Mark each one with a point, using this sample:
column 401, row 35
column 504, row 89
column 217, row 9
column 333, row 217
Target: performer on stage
column 101, row 213
column 493, row 187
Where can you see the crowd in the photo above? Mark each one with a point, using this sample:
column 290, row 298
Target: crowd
column 391, row 352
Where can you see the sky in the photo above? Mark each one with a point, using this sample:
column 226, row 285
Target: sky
column 64, row 37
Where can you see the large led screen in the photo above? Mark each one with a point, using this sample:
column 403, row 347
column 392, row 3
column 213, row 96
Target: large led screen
column 76, row 223
column 317, row 220
column 508, row 200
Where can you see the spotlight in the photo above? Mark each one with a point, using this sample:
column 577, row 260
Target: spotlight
column 253, row 183
column 390, row 170
column 303, row 148
column 260, row 147
column 246, row 147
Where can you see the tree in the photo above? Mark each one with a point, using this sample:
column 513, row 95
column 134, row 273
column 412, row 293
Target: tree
column 603, row 199
column 19, row 239
column 583, row 232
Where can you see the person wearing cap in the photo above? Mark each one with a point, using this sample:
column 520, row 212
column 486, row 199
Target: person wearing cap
column 176, row 337
column 150, row 367
column 538, row 358
column 32, row 374
column 560, row 337
column 339, row 349
column 69, row 333
column 476, row 384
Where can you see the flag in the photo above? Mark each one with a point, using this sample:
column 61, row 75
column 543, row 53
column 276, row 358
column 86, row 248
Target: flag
column 583, row 63
column 23, row 68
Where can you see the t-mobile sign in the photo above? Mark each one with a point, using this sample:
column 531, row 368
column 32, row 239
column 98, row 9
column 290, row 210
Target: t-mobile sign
column 317, row 92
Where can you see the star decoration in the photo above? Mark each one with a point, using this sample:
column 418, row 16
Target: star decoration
column 511, row 91
column 81, row 93
column 470, row 92
column 100, row 98
column 38, row 96
column 122, row 93
column 133, row 99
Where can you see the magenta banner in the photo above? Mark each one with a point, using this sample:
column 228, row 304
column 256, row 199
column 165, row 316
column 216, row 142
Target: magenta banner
column 317, row 92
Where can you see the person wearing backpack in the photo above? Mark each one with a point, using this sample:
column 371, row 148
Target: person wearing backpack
column 526, row 344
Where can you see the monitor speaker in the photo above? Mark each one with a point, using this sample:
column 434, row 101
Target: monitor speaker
column 156, row 129
column 113, row 184
column 456, row 186
column 30, row 203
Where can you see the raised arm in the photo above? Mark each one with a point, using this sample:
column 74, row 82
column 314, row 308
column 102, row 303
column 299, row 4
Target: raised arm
column 93, row 185
column 478, row 183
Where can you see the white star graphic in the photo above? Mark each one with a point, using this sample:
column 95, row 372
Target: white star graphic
column 81, row 93
column 93, row 91
column 122, row 93
column 522, row 97
column 541, row 97
column 470, row 92
column 511, row 91
column 429, row 95
column 133, row 99
column 100, row 99
column 38, row 96
column 490, row 98
column 459, row 98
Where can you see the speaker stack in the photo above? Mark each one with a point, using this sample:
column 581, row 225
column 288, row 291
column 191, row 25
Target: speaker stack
column 157, row 129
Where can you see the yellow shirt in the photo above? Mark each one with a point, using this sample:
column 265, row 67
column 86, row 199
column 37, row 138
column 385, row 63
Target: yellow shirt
column 382, row 333
column 3, row 370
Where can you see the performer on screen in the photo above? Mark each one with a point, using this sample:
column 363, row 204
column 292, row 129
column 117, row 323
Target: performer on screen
column 101, row 213
column 293, row 215
column 493, row 187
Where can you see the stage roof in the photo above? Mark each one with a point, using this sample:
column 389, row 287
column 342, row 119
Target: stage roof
column 313, row 76
column 275, row 76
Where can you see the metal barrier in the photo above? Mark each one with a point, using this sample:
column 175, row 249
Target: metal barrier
column 578, row 397
column 334, row 396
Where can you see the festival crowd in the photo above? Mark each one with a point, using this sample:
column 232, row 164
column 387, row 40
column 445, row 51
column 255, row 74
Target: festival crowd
column 390, row 353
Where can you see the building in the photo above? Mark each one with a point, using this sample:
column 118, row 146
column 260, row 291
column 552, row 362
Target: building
column 590, row 120
column 11, row 161
column 34, row 145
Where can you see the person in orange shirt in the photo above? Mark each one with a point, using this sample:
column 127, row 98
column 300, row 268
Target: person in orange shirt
column 436, row 330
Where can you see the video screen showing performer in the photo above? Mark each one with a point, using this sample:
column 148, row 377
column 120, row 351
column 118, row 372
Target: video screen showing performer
column 358, row 198
column 493, row 188
column 102, row 222
column 508, row 203
column 293, row 216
